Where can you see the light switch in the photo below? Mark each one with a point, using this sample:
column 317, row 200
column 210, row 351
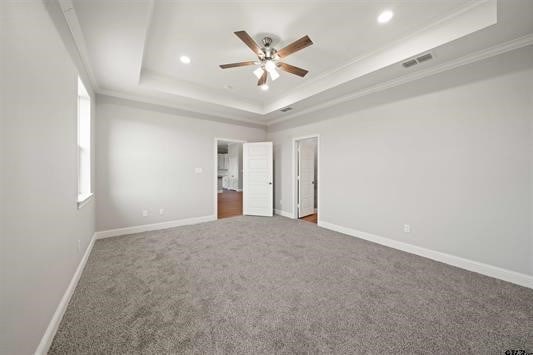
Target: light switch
column 198, row 170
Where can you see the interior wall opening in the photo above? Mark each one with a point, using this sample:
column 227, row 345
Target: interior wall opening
column 229, row 177
column 306, row 192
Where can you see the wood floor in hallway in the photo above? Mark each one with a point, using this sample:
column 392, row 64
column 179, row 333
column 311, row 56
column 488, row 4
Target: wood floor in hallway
column 229, row 204
column 311, row 218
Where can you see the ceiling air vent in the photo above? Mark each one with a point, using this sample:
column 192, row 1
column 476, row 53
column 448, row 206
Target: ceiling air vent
column 424, row 57
column 286, row 109
column 409, row 63
column 420, row 59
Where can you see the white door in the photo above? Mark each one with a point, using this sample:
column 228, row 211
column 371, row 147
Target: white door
column 306, row 177
column 257, row 179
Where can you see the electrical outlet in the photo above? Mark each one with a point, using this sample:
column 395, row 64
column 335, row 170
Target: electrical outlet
column 79, row 246
column 161, row 211
column 198, row 170
column 407, row 228
column 145, row 213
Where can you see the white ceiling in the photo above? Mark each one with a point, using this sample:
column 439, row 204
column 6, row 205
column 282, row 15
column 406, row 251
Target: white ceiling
column 133, row 47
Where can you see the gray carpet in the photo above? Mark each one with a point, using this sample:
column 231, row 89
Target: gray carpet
column 274, row 285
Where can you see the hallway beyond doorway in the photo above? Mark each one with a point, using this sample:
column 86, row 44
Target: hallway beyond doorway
column 229, row 204
column 311, row 218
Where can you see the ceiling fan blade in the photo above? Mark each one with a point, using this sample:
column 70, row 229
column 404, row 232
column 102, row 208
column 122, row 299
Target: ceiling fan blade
column 295, row 46
column 245, row 37
column 263, row 79
column 292, row 69
column 234, row 65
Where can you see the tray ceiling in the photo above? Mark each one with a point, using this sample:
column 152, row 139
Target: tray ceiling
column 134, row 48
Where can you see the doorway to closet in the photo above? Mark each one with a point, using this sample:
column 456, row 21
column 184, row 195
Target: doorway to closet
column 306, row 181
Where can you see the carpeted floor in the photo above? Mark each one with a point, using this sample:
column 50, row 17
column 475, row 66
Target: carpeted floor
column 274, row 285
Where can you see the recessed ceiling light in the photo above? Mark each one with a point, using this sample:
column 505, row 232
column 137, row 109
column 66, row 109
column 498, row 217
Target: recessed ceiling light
column 264, row 87
column 385, row 16
column 228, row 87
column 185, row 60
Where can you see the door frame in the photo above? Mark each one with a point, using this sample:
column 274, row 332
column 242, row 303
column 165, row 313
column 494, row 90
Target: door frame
column 294, row 201
column 215, row 170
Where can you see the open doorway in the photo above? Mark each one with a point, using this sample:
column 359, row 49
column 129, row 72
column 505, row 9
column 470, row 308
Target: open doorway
column 306, row 178
column 229, row 179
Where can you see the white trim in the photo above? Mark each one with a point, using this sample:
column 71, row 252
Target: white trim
column 467, row 264
column 152, row 227
column 486, row 53
column 215, row 170
column 73, row 24
column 294, row 197
column 283, row 213
column 148, row 29
column 84, row 199
column 49, row 334
column 124, row 95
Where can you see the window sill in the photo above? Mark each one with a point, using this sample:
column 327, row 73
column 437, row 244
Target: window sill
column 84, row 199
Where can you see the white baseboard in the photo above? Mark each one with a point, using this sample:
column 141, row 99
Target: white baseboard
column 470, row 265
column 283, row 213
column 48, row 337
column 152, row 227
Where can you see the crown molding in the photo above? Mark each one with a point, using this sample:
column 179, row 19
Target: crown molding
column 146, row 35
column 151, row 103
column 498, row 49
column 67, row 7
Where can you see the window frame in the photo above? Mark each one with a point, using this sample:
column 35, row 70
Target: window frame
column 83, row 145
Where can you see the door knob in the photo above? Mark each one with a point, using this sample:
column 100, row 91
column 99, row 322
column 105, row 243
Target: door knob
column 270, row 183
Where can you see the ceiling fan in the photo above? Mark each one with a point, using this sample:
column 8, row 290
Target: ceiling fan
column 269, row 58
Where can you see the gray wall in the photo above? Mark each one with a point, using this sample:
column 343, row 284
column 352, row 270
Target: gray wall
column 146, row 156
column 452, row 158
column 40, row 222
column 451, row 155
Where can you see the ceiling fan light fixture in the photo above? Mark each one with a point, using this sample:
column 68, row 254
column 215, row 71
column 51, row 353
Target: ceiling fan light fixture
column 185, row 60
column 270, row 65
column 258, row 72
column 273, row 74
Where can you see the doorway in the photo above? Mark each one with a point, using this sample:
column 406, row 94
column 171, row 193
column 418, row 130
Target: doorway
column 306, row 178
column 229, row 177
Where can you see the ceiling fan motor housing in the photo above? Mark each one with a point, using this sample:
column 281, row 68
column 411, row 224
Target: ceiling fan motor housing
column 269, row 52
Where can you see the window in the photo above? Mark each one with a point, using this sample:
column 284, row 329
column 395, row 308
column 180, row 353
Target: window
column 84, row 144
